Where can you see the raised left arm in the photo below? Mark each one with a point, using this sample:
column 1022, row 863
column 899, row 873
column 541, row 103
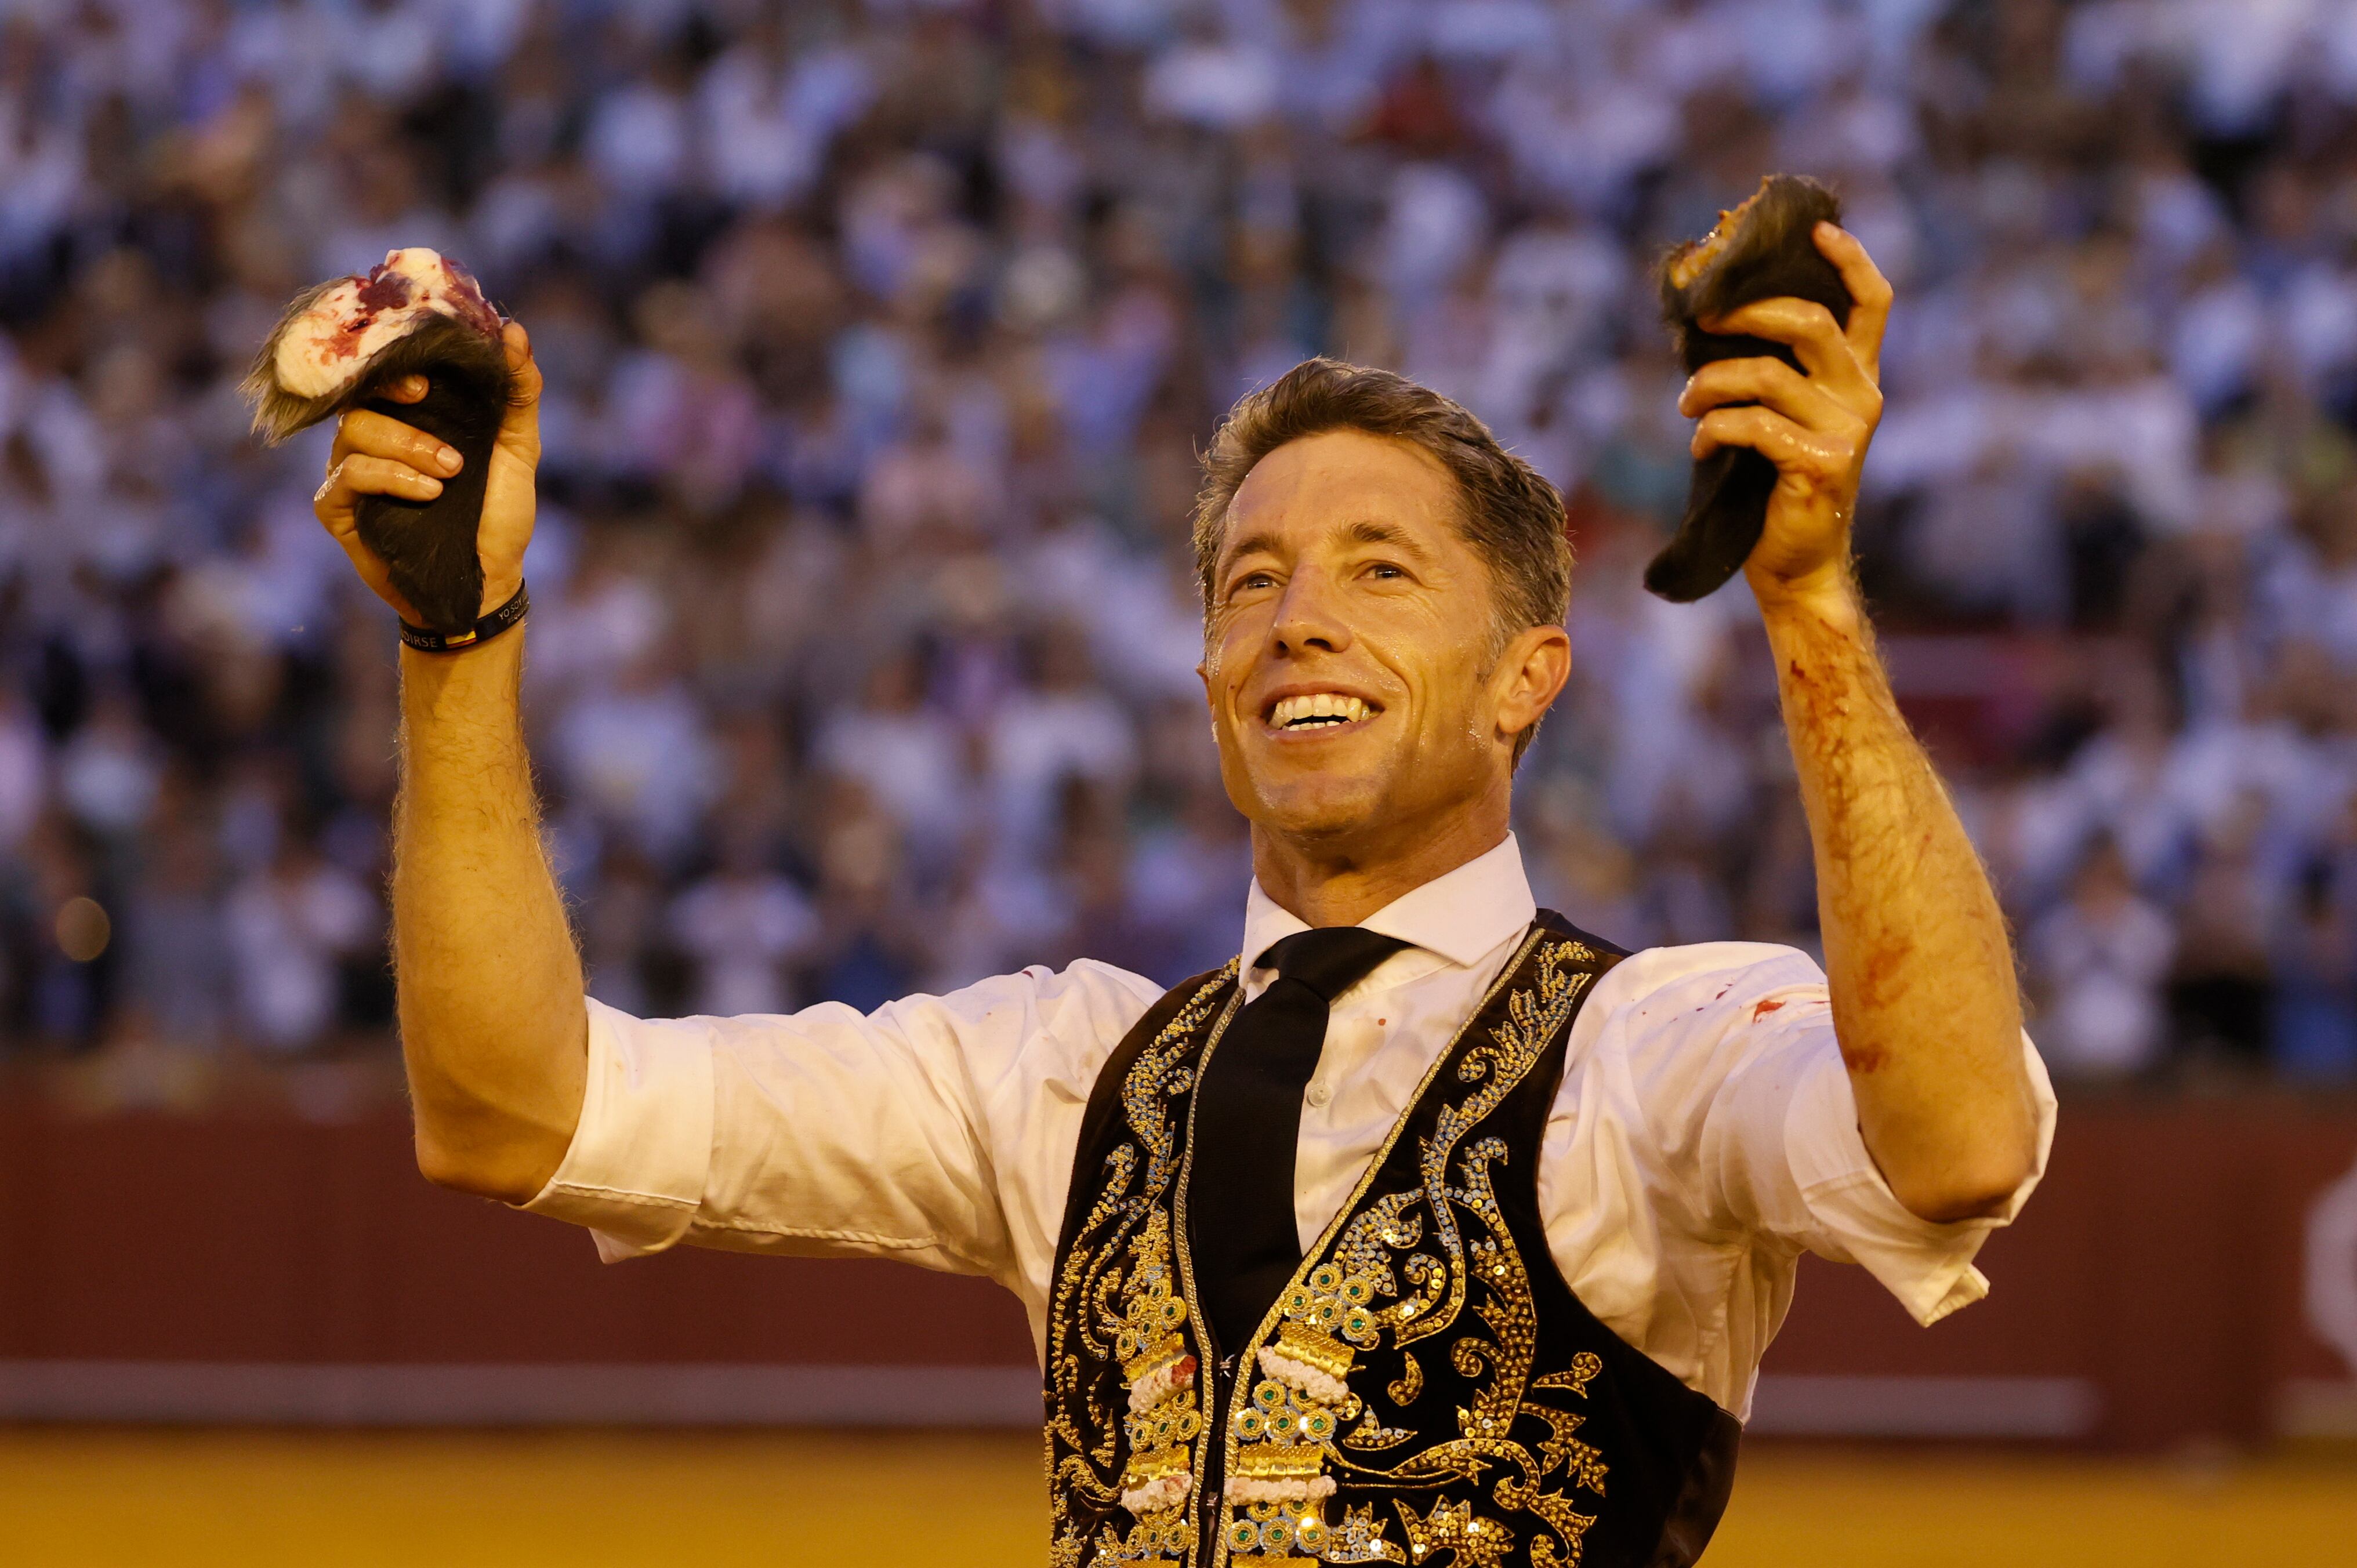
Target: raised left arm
column 1924, row 1000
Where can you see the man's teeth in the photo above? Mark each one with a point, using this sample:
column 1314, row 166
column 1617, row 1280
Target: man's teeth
column 1317, row 710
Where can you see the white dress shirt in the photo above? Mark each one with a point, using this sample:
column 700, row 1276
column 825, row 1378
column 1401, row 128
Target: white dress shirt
column 1704, row 1135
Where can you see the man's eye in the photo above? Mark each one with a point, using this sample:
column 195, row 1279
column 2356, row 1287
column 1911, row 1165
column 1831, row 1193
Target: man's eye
column 1254, row 580
column 1384, row 569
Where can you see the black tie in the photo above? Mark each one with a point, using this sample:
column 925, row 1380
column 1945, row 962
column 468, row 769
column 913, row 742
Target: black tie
column 1248, row 1120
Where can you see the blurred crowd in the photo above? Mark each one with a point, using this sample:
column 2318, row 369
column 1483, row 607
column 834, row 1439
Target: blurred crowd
column 879, row 337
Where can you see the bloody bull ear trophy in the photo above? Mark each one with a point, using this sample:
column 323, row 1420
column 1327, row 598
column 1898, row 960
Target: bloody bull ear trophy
column 1763, row 249
column 339, row 346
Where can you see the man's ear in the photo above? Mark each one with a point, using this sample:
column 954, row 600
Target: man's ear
column 1528, row 677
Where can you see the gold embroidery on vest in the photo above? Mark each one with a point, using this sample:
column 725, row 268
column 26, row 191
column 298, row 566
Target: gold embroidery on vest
column 1584, row 1369
column 1388, row 1272
column 1359, row 1537
column 1134, row 1315
column 1494, row 1350
column 1406, row 1388
column 1373, row 1436
column 1452, row 1527
column 1278, row 1467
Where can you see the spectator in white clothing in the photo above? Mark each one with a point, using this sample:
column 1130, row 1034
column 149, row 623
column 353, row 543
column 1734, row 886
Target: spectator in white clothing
column 291, row 928
column 741, row 927
column 1062, row 725
column 903, row 754
column 2100, row 960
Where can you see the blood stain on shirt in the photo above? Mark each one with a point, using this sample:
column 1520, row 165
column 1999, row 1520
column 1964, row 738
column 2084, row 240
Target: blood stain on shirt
column 1764, row 1007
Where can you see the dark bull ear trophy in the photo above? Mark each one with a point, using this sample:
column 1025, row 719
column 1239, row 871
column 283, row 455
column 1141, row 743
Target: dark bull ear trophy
column 337, row 346
column 1762, row 250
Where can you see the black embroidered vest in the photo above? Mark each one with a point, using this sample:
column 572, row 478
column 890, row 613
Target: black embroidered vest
column 1426, row 1390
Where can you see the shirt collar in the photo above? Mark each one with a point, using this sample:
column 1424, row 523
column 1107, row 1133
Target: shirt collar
column 1459, row 914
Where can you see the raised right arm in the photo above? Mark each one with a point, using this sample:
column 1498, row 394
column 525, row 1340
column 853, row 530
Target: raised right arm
column 937, row 1130
column 493, row 1026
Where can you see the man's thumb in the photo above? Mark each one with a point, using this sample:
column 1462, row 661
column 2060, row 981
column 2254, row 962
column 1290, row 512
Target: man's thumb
column 519, row 428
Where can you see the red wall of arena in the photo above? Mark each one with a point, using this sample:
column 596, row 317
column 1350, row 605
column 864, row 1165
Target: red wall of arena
column 2175, row 1279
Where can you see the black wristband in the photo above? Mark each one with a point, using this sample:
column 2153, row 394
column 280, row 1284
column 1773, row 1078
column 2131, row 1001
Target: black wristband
column 490, row 626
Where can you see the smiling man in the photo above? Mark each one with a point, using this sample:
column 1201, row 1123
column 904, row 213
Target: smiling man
column 1428, row 1230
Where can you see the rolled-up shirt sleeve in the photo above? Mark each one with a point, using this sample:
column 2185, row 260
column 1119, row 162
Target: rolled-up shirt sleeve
column 938, row 1130
column 635, row 1171
column 1834, row 1200
column 1741, row 1052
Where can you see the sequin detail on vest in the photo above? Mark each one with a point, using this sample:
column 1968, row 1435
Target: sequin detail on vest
column 1418, row 1394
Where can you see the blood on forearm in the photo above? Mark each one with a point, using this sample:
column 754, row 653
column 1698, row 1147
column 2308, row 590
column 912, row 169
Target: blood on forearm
column 1920, row 971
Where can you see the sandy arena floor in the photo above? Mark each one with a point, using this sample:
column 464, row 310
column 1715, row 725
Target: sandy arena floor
column 884, row 1500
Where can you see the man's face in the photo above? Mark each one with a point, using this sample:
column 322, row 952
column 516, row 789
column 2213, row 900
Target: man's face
column 1351, row 634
